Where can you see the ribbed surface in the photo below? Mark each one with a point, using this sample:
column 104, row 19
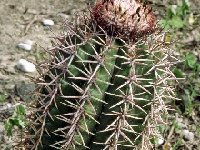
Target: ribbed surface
column 103, row 93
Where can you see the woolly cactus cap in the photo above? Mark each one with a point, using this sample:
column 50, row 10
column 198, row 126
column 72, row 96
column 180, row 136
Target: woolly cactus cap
column 124, row 18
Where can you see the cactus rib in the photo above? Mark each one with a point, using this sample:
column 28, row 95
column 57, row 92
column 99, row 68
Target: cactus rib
column 103, row 89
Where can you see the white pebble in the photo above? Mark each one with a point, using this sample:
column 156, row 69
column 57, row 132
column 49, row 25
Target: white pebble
column 48, row 22
column 24, row 46
column 188, row 135
column 9, row 105
column 160, row 141
column 26, row 66
column 29, row 42
column 185, row 132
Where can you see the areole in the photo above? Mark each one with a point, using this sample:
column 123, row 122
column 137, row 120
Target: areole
column 104, row 89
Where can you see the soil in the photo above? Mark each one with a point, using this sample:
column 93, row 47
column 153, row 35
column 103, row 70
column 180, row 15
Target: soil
column 21, row 20
column 17, row 25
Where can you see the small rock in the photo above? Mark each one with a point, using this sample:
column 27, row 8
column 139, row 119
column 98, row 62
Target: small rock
column 188, row 135
column 160, row 141
column 185, row 132
column 48, row 22
column 6, row 107
column 9, row 105
column 191, row 19
column 24, row 90
column 26, row 66
column 29, row 42
column 26, row 45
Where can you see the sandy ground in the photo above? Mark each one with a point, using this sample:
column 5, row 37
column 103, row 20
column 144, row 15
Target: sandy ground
column 21, row 20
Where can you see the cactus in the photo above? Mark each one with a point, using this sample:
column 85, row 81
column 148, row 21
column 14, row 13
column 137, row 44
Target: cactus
column 106, row 83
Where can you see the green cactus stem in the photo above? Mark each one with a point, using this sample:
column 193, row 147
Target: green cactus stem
column 106, row 84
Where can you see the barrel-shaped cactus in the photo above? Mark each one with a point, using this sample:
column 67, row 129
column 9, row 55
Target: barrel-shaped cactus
column 106, row 83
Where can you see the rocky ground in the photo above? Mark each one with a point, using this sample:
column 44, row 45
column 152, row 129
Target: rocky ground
column 22, row 20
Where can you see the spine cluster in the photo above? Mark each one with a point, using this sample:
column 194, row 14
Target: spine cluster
column 100, row 90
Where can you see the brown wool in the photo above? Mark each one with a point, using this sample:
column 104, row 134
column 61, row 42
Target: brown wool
column 124, row 18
